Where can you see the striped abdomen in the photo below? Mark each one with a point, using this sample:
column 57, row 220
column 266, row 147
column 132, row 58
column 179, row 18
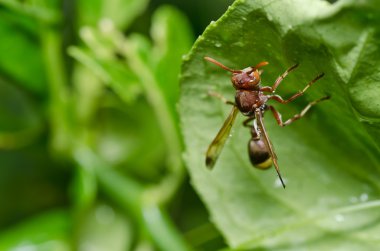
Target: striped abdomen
column 259, row 154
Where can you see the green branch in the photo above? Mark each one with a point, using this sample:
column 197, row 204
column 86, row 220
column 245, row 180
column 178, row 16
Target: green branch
column 130, row 196
column 43, row 14
column 169, row 185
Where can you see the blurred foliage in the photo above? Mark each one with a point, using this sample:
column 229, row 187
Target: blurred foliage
column 330, row 158
column 89, row 135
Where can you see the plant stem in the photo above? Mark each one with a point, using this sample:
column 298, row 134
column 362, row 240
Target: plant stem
column 42, row 14
column 58, row 94
column 130, row 196
column 162, row 229
column 169, row 185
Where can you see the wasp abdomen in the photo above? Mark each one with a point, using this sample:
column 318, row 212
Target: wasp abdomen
column 259, row 154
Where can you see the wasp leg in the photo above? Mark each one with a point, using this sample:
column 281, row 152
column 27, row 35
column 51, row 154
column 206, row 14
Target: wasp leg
column 278, row 117
column 278, row 80
column 246, row 122
column 221, row 97
column 255, row 132
column 298, row 94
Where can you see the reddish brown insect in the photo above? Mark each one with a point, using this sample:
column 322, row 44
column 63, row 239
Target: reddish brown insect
column 251, row 101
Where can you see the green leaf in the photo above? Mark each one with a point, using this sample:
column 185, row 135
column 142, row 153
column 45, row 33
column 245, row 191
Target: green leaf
column 172, row 37
column 49, row 231
column 105, row 228
column 329, row 159
column 20, row 123
column 32, row 10
column 121, row 12
column 118, row 140
column 19, row 45
column 110, row 72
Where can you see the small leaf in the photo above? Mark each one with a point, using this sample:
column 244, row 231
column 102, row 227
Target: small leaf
column 171, row 34
column 49, row 231
column 18, row 47
column 104, row 228
column 329, row 160
column 121, row 12
column 110, row 72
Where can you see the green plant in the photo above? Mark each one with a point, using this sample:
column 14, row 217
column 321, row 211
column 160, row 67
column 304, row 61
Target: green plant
column 108, row 102
column 330, row 159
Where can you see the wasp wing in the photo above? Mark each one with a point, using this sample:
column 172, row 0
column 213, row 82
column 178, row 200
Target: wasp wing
column 264, row 134
column 217, row 144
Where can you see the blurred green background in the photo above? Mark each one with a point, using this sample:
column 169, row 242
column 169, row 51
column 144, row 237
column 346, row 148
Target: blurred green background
column 90, row 145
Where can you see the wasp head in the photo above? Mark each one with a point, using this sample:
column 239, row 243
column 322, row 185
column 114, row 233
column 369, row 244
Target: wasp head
column 246, row 79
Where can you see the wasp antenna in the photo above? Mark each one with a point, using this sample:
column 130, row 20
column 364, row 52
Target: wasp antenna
column 221, row 65
column 261, row 64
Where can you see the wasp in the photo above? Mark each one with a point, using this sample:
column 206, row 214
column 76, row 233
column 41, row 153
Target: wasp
column 251, row 100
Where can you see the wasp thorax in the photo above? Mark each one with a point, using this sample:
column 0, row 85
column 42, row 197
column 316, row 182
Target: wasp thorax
column 246, row 79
